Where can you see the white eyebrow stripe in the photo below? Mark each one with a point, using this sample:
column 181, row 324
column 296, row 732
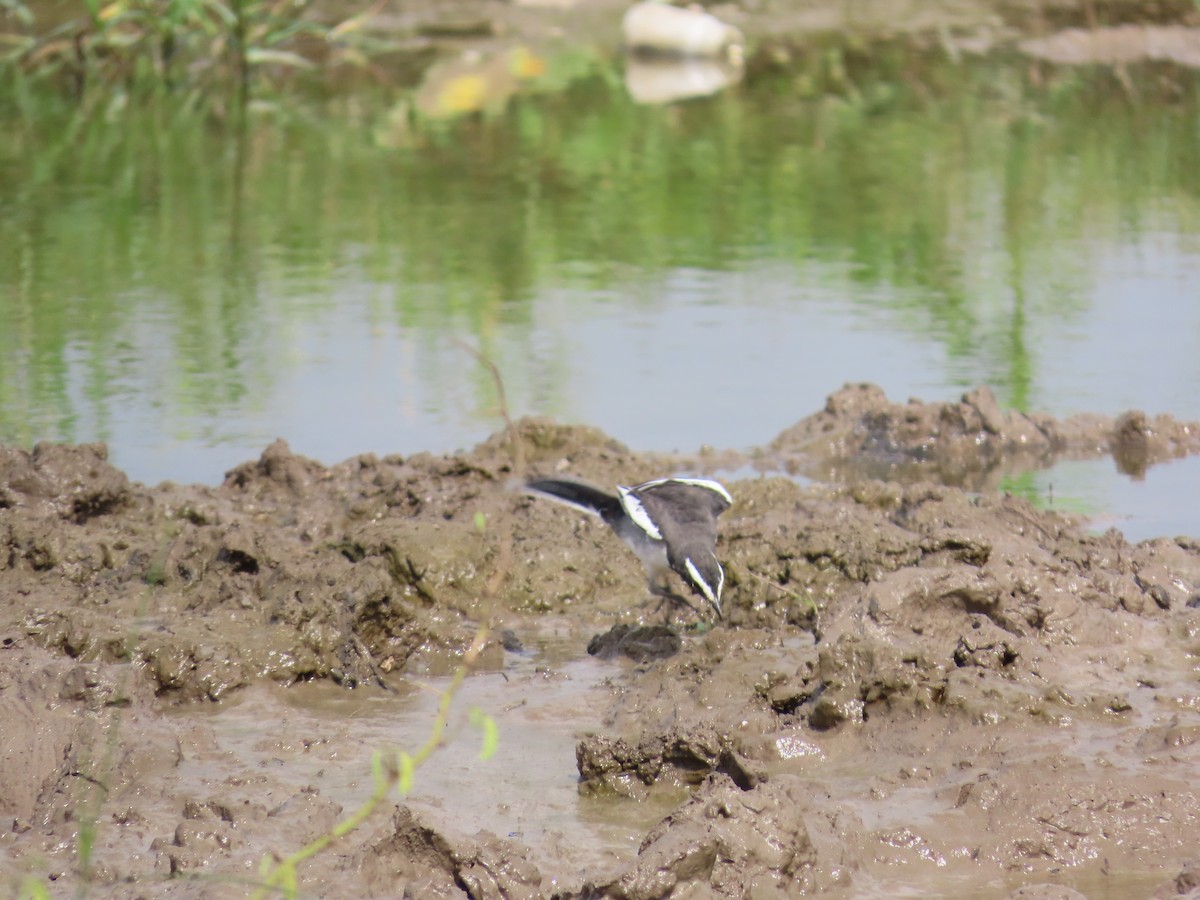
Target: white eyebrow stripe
column 707, row 483
column 699, row 580
column 638, row 513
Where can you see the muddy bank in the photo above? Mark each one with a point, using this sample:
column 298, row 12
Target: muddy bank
column 1113, row 32
column 972, row 443
column 915, row 687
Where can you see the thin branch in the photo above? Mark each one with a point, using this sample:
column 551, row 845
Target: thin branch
column 502, row 396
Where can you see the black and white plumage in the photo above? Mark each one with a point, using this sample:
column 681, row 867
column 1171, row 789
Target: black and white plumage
column 670, row 523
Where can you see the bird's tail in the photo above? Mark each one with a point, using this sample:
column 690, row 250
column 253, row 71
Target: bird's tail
column 579, row 495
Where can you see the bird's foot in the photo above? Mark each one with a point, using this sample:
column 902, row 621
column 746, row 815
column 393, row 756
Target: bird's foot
column 671, row 602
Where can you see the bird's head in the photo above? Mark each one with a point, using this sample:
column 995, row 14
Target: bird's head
column 705, row 576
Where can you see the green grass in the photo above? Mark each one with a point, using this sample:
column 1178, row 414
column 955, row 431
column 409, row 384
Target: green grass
column 185, row 47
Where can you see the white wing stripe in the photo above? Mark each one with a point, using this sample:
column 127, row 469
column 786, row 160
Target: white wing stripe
column 707, row 483
column 638, row 513
column 715, row 486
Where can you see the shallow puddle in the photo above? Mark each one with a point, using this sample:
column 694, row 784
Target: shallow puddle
column 542, row 702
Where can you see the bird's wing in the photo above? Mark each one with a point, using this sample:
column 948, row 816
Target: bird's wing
column 578, row 494
column 721, row 498
column 684, row 512
column 681, row 511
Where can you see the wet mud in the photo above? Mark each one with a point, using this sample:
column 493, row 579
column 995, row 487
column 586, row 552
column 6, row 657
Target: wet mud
column 922, row 685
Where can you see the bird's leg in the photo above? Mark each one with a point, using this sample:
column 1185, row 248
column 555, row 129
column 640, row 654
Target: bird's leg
column 665, row 595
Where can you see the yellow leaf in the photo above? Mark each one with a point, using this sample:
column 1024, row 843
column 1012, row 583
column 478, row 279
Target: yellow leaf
column 525, row 64
column 463, row 93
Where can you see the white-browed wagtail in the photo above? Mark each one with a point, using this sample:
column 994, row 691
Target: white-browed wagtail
column 670, row 523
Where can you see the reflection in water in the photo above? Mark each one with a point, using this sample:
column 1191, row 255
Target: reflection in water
column 1141, row 509
column 477, row 82
column 702, row 273
column 655, row 80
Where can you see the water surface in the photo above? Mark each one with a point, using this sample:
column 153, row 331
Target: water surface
column 697, row 274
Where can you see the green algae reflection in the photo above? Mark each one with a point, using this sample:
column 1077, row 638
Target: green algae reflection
column 151, row 251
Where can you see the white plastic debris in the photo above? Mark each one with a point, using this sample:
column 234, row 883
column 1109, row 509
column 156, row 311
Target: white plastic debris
column 658, row 27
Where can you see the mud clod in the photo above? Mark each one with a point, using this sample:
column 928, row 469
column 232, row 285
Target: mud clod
column 735, row 843
column 639, row 643
column 416, row 860
column 77, row 483
column 676, row 758
column 970, row 443
column 1185, row 884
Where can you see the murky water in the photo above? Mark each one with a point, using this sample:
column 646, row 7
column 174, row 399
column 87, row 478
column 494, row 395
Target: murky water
column 703, row 273
column 542, row 701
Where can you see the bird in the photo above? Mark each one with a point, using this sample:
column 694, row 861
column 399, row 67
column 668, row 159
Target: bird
column 670, row 523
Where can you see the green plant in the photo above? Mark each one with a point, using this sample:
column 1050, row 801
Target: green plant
column 186, row 44
column 13, row 45
column 32, row 889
